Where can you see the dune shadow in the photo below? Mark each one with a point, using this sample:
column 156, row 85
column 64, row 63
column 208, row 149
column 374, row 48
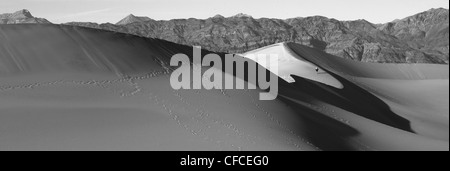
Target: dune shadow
column 321, row 130
column 318, row 44
column 351, row 98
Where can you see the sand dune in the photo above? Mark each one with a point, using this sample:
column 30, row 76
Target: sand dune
column 71, row 88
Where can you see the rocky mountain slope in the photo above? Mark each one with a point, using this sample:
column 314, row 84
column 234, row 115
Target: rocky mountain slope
column 422, row 38
column 22, row 16
column 427, row 31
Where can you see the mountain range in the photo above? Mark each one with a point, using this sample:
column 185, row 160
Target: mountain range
column 421, row 38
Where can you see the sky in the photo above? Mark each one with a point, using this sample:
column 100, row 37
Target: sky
column 102, row 11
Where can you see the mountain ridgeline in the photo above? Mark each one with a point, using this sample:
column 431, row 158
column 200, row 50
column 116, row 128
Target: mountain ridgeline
column 421, row 38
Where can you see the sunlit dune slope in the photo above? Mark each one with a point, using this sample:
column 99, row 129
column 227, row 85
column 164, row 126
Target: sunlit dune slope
column 289, row 63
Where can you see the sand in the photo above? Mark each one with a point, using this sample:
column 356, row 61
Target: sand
column 71, row 88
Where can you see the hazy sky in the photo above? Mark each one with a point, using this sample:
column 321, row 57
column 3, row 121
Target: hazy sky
column 376, row 11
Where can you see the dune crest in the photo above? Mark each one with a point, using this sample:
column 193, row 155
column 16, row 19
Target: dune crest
column 292, row 64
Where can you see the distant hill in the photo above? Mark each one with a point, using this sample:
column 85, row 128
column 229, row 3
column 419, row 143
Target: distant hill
column 133, row 19
column 22, row 16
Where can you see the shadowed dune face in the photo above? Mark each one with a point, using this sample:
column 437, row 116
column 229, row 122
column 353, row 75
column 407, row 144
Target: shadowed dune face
column 71, row 88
